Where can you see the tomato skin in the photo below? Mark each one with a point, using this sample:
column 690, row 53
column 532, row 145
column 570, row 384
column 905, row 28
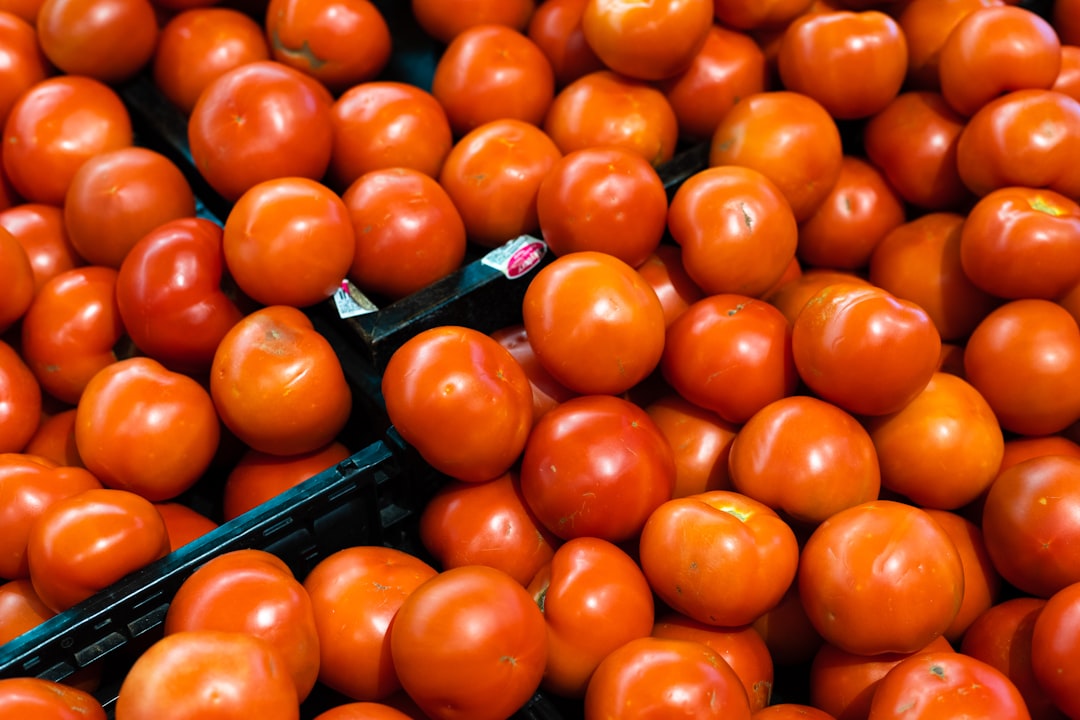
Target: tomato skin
column 20, row 401
column 40, row 230
column 1053, row 648
column 926, row 24
column 982, row 582
column 183, row 523
column 586, row 583
column 700, row 440
column 37, row 697
column 751, row 15
column 109, row 41
column 22, row 63
column 597, row 466
column 444, row 22
column 872, row 545
column 791, row 711
column 663, row 270
column 555, row 27
column 362, row 711
column 461, row 400
column 258, row 477
column 741, row 563
column 20, row 609
column 469, row 643
column 547, row 391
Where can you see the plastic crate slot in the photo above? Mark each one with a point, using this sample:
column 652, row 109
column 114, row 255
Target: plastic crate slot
column 99, row 648
column 149, row 621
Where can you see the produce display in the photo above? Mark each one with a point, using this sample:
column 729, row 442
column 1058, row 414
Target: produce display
column 540, row 359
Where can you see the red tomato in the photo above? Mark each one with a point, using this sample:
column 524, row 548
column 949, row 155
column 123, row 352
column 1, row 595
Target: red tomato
column 1018, row 449
column 18, row 277
column 592, row 304
column 408, row 232
column 791, row 711
column 20, row 609
column 547, row 391
column 469, row 642
column 40, row 230
column 444, row 21
column 787, row 631
column 701, row 441
column 791, row 297
column 277, row 383
column 84, row 542
column 20, row 401
column 39, row 698
column 586, row 583
column 982, row 582
column 54, row 127
column 258, row 477
column 926, row 24
column 362, row 711
column 54, row 439
column 320, row 39
column 259, row 121
column 556, row 29
column 208, row 673
column 665, row 272
column 596, row 465
column 875, row 545
column 22, row 63
column 1068, row 79
column 109, row 41
column 755, row 14
column 659, row 677
column 355, row 594
column 183, row 524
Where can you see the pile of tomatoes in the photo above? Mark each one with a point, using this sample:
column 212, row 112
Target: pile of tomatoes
column 799, row 438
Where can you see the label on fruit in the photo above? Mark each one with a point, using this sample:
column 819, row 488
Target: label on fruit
column 351, row 302
column 517, row 257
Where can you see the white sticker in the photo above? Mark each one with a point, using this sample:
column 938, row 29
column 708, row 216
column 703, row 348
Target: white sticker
column 351, row 302
column 517, row 257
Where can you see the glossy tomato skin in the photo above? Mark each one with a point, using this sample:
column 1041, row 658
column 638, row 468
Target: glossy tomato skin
column 587, row 582
column 20, row 609
column 596, row 465
column 982, row 582
column 469, row 642
column 701, row 441
column 24, row 64
column 258, row 477
column 444, row 22
column 109, row 41
column 170, row 296
column 183, row 523
column 750, row 15
column 1053, row 648
column 37, row 697
column 362, row 711
column 20, row 401
column 40, row 230
column 741, row 562
column 555, row 27
column 461, row 400
column 547, row 391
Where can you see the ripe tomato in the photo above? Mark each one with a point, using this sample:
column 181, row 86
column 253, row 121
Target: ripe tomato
column 864, row 349
column 909, row 572
column 926, row 24
column 547, row 391
column 40, row 230
column 355, row 594
column 109, row 41
column 40, row 698
column 926, row 684
column 486, row 523
column 701, row 441
column 461, row 400
column 18, row 277
column 805, row 458
column 259, row 121
column 54, row 127
column 183, row 523
column 982, row 582
column 22, row 63
column 493, row 174
column 208, row 673
column 556, row 29
column 607, row 199
column 758, row 15
column 362, row 711
column 587, row 582
column 54, row 439
column 661, row 677
column 82, row 543
column 1068, row 79
column 443, row 22
column 664, row 271
column 719, row 557
column 787, row 136
column 592, row 304
column 20, row 609
column 787, row 631
column 387, row 124
column 791, row 711
column 199, row 44
column 1029, row 523
column 790, row 297
column 596, row 465
column 277, row 383
column 258, row 477
column 852, row 62
column 1022, row 357
column 20, row 401
column 320, row 39
column 469, row 642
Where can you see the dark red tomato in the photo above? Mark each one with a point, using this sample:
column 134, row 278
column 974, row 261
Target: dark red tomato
column 787, row 631
column 22, row 63
column 1054, row 639
column 31, row 697
column 20, row 609
column 701, row 441
column 926, row 24
column 596, row 465
column 444, row 21
column 547, row 391
column 183, row 523
column 54, row 127
column 259, row 121
column 40, row 230
column 54, row 439
column 664, row 271
column 982, row 582
column 555, row 27
column 258, row 477
column 20, row 400
column 109, row 41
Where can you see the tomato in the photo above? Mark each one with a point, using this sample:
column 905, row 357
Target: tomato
column 443, row 22
column 493, row 174
column 461, row 400
column 40, row 230
column 664, row 271
column 607, row 199
column 37, row 697
column 20, row 401
column 170, row 296
column 183, row 524
column 592, row 304
column 486, row 523
column 787, row 136
column 82, row 543
column 54, row 127
column 649, row 41
column 741, row 647
column 736, row 229
column 926, row 24
column 547, row 391
column 249, row 591
column 1021, row 357
column 791, row 711
column 921, row 261
column 982, row 582
column 24, row 9
column 258, row 477
column 606, row 108
column 843, row 683
column 208, row 674
column 660, row 677
column 790, row 297
column 739, row 563
column 874, row 545
column 320, row 39
column 54, row 439
column 469, row 642
column 805, row 458
column 728, row 67
column 1068, row 79
column 22, row 63
column 1029, row 524
column 17, row 277
column 289, row 241
column 355, row 594
column 362, row 711
column 277, row 383
column 259, row 121
column 386, row 124
column 993, row 50
column 787, row 631
column 109, row 41
column 198, row 44
column 70, row 330
column 587, row 582
column 927, row 684
column 21, row 609
column 758, row 15
column 555, row 27
column 700, row 440
column 914, row 142
column 408, row 232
